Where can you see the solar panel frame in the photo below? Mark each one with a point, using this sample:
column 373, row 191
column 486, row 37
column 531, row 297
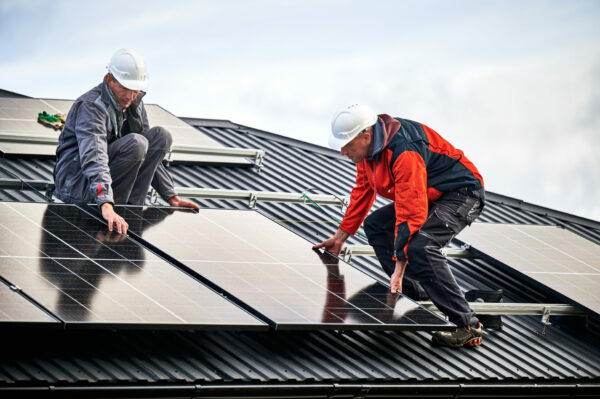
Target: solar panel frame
column 17, row 309
column 64, row 278
column 248, row 299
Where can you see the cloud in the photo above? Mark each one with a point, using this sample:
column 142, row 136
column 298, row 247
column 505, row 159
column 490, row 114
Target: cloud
column 515, row 88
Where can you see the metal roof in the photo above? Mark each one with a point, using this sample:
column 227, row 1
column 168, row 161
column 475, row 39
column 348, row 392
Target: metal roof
column 516, row 360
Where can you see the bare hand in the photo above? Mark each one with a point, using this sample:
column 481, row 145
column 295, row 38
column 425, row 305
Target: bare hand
column 334, row 244
column 176, row 201
column 397, row 276
column 113, row 220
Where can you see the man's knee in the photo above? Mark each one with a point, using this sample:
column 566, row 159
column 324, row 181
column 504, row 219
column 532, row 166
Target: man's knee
column 160, row 137
column 135, row 146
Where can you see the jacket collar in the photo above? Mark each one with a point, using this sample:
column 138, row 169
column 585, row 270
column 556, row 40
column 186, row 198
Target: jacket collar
column 384, row 131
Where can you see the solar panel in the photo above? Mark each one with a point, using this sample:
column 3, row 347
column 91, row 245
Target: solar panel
column 16, row 309
column 553, row 256
column 68, row 262
column 19, row 116
column 275, row 272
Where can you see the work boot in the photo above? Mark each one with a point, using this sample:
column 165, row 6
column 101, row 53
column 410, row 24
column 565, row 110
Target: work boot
column 462, row 336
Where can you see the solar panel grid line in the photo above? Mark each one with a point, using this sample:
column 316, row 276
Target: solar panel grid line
column 294, row 286
column 554, row 248
column 190, row 294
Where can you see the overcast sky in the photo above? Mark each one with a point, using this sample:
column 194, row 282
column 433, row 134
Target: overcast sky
column 515, row 84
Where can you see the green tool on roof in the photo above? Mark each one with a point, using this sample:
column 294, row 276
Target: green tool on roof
column 56, row 121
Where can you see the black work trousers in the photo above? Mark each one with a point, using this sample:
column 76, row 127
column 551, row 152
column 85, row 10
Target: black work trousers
column 427, row 274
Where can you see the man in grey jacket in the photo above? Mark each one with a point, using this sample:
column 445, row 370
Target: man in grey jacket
column 107, row 153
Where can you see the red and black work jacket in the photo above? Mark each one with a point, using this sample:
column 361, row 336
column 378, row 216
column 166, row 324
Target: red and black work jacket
column 414, row 167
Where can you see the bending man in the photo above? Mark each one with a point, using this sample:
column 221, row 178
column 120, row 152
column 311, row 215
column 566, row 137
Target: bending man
column 436, row 192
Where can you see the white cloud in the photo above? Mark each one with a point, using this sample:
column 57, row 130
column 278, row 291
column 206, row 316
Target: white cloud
column 517, row 89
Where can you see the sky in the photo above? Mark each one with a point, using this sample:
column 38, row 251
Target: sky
column 514, row 84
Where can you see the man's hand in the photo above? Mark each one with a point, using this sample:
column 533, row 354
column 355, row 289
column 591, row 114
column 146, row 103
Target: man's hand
column 176, row 201
column 113, row 220
column 396, row 279
column 334, row 244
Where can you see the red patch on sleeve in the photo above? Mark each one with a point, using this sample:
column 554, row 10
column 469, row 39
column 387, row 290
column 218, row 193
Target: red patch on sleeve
column 99, row 190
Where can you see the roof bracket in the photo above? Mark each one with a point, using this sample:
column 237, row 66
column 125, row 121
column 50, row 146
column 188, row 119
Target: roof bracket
column 49, row 191
column 346, row 254
column 153, row 196
column 253, row 200
column 545, row 320
column 258, row 160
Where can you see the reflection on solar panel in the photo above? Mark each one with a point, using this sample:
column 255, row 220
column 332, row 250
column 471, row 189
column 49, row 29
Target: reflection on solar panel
column 556, row 257
column 276, row 273
column 15, row 309
column 69, row 263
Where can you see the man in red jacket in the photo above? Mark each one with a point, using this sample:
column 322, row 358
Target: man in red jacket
column 436, row 192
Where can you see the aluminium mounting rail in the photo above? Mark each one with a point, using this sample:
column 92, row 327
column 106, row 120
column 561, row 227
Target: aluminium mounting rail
column 254, row 196
column 198, row 192
column 348, row 251
column 519, row 309
column 257, row 154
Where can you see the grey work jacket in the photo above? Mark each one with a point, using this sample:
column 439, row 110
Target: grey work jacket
column 81, row 173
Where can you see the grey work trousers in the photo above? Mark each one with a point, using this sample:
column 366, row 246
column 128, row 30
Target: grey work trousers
column 427, row 274
column 133, row 161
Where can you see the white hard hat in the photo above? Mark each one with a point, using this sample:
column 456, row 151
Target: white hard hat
column 348, row 122
column 129, row 68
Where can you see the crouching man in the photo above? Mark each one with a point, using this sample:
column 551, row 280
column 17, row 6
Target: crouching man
column 107, row 153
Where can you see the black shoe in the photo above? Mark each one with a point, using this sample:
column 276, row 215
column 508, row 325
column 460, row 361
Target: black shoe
column 463, row 336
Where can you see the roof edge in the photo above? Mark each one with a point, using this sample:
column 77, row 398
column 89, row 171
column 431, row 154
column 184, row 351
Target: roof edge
column 517, row 203
column 11, row 94
column 533, row 388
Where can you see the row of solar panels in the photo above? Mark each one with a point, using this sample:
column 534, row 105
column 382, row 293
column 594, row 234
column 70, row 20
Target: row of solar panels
column 21, row 134
column 227, row 269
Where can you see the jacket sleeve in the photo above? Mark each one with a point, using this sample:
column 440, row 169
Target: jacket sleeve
column 90, row 132
column 410, row 188
column 361, row 200
column 162, row 180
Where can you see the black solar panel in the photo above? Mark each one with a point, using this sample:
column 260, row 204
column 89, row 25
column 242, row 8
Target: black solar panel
column 275, row 272
column 69, row 263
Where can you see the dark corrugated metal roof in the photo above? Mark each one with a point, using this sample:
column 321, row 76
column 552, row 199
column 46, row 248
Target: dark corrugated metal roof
column 568, row 353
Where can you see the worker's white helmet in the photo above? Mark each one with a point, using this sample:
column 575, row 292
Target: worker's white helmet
column 348, row 122
column 129, row 68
